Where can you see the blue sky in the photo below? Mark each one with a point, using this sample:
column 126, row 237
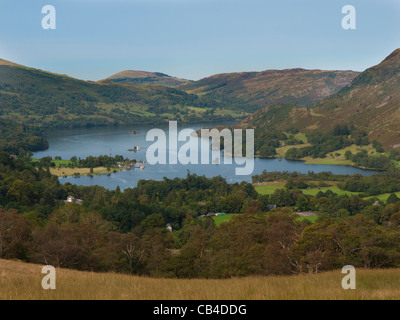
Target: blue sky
column 196, row 38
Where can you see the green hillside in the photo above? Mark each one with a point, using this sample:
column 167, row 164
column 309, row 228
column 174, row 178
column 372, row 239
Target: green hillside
column 35, row 97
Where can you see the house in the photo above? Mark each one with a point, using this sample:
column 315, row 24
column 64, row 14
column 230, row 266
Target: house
column 72, row 199
column 376, row 203
column 169, row 227
column 271, row 207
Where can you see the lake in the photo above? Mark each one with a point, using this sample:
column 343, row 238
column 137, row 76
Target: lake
column 84, row 142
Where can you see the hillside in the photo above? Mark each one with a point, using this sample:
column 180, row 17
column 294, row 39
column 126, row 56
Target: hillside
column 7, row 63
column 22, row 281
column 130, row 76
column 371, row 102
column 280, row 117
column 45, row 99
column 255, row 90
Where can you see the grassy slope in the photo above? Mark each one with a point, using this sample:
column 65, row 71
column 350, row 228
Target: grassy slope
column 65, row 101
column 269, row 188
column 65, row 171
column 383, row 197
column 334, row 158
column 23, row 281
column 340, row 159
column 312, row 219
column 222, row 219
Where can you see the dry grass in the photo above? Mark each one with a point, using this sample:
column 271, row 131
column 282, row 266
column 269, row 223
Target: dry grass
column 23, row 281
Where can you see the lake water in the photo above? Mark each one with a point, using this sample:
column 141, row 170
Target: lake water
column 67, row 143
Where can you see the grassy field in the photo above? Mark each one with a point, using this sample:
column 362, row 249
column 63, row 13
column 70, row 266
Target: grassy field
column 22, row 281
column 62, row 172
column 301, row 136
column 221, row 219
column 312, row 219
column 335, row 158
column 314, row 191
column 383, row 197
column 58, row 163
column 270, row 187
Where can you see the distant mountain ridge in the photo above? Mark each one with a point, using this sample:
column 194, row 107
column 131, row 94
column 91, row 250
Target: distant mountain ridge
column 256, row 90
column 370, row 102
column 131, row 76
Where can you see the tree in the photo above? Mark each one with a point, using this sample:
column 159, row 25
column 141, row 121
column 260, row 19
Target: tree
column 392, row 199
column 348, row 155
column 314, row 251
column 341, row 214
column 153, row 221
column 302, row 203
column 282, row 198
column 15, row 235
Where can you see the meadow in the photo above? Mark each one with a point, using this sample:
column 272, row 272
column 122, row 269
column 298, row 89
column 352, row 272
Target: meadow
column 22, row 281
column 334, row 158
column 270, row 187
column 222, row 219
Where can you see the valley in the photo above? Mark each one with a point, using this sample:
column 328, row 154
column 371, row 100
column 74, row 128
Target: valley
column 324, row 191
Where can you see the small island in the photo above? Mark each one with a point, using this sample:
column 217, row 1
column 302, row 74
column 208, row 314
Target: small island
column 135, row 149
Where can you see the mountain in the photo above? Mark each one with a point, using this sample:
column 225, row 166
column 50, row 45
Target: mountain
column 255, row 90
column 130, row 76
column 371, row 102
column 35, row 97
